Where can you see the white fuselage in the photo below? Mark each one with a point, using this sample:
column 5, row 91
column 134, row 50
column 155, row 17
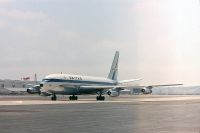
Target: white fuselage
column 69, row 84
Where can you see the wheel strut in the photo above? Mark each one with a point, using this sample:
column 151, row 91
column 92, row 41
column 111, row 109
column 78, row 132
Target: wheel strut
column 54, row 98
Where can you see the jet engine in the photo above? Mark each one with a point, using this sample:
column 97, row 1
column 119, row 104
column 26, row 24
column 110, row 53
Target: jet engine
column 147, row 90
column 34, row 90
column 113, row 93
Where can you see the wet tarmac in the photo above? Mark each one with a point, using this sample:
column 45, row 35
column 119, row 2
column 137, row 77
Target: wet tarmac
column 126, row 114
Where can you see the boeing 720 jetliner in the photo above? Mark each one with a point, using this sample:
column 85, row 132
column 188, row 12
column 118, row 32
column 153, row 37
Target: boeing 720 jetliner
column 65, row 84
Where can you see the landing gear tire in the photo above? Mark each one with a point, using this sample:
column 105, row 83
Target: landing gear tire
column 100, row 98
column 76, row 98
column 73, row 97
column 53, row 98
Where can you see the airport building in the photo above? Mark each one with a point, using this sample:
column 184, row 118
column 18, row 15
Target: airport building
column 15, row 83
column 15, row 86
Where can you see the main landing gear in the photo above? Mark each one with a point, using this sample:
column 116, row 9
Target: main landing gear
column 100, row 98
column 53, row 97
column 73, row 97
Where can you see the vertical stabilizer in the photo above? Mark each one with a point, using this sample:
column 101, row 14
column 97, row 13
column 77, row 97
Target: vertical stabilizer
column 114, row 68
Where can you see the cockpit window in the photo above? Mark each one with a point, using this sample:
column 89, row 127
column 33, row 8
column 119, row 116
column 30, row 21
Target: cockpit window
column 45, row 80
column 51, row 80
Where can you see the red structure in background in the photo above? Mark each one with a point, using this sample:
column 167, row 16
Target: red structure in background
column 26, row 78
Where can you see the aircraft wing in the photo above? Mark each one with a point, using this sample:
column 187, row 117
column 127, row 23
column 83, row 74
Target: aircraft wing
column 166, row 85
column 125, row 86
column 148, row 89
column 121, row 87
column 152, row 86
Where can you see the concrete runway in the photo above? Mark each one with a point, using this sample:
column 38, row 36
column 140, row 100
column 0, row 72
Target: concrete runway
column 128, row 114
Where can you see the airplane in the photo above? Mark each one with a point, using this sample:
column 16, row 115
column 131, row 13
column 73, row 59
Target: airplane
column 73, row 85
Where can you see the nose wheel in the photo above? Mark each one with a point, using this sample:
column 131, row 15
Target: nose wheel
column 73, row 97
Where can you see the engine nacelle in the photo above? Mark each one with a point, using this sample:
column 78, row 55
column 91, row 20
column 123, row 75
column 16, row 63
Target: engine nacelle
column 113, row 93
column 147, row 90
column 34, row 90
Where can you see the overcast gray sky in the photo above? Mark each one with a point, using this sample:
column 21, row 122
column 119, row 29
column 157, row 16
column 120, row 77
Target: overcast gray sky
column 158, row 40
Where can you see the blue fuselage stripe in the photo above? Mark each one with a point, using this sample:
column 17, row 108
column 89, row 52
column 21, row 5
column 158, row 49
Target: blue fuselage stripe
column 78, row 81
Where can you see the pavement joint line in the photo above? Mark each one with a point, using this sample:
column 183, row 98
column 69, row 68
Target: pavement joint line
column 45, row 102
